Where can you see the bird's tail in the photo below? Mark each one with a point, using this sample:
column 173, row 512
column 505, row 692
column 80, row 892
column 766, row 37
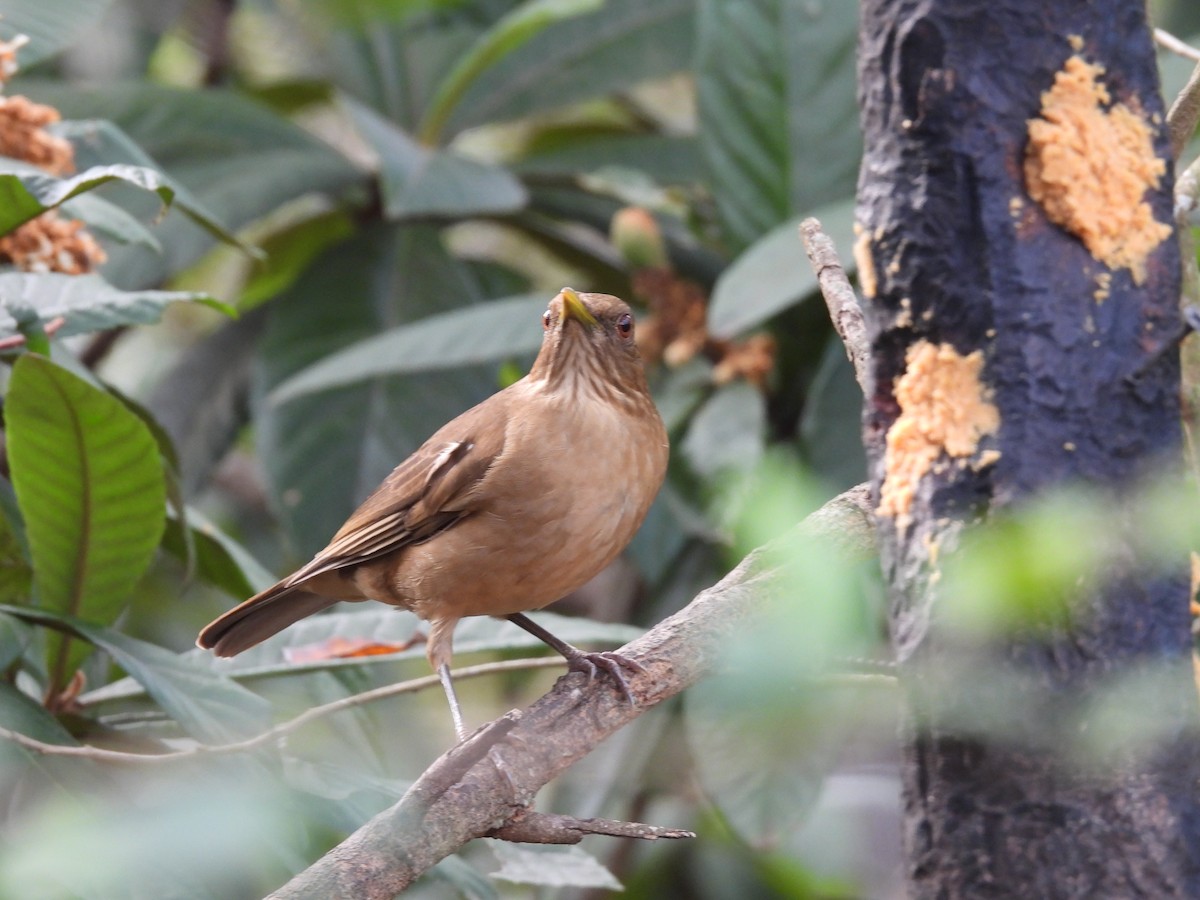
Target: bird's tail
column 258, row 618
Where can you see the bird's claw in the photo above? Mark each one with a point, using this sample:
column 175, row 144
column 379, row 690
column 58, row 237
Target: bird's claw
column 610, row 662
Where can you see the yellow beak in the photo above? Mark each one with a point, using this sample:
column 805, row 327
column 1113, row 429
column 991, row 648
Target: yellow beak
column 573, row 308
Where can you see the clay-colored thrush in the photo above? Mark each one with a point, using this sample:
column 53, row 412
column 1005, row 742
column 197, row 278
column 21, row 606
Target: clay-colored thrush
column 509, row 507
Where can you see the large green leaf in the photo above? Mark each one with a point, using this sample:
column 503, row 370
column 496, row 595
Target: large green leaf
column 219, row 559
column 106, row 219
column 236, row 157
column 774, row 272
column 386, row 625
column 105, row 141
column 728, row 433
column 90, row 485
column 206, row 704
column 830, row 429
column 551, row 867
column 614, row 48
column 85, row 302
column 26, row 192
column 418, row 183
column 325, row 452
column 778, row 119
column 668, row 159
column 513, row 30
column 26, row 771
column 480, row 333
column 50, row 25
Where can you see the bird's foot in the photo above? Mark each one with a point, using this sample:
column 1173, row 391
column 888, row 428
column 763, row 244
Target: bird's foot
column 609, row 662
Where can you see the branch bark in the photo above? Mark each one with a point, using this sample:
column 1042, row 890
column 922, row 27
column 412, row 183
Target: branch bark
column 1076, row 354
column 485, row 785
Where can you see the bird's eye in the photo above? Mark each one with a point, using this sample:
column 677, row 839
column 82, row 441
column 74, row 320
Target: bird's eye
column 546, row 320
column 625, row 325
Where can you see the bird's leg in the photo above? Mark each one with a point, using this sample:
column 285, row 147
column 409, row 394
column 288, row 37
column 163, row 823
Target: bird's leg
column 580, row 661
column 460, row 729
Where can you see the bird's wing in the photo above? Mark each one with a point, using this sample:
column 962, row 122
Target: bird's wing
column 425, row 494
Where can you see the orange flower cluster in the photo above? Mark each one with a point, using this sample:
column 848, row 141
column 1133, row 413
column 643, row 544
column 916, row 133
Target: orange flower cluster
column 23, row 136
column 677, row 330
column 52, row 244
column 47, row 243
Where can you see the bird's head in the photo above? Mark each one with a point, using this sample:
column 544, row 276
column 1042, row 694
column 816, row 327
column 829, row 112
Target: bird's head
column 589, row 345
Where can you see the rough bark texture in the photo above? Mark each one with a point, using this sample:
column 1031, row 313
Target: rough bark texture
column 1086, row 389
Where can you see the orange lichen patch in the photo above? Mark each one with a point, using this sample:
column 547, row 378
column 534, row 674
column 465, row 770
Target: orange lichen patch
column 1103, row 287
column 944, row 412
column 864, row 261
column 23, row 136
column 1089, row 164
column 50, row 244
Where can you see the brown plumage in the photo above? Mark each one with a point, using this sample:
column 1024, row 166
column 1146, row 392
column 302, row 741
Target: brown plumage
column 514, row 504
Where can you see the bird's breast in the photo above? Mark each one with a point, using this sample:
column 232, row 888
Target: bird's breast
column 567, row 494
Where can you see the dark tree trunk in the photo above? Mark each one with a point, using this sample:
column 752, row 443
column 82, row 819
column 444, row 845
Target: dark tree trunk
column 1076, row 380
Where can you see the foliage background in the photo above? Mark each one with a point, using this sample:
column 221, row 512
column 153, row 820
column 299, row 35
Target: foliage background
column 371, row 202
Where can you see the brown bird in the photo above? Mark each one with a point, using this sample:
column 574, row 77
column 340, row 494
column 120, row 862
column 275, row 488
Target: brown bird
column 514, row 504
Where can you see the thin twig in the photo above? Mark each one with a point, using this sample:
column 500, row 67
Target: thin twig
column 1187, row 193
column 1175, row 45
column 529, row 827
column 18, row 340
column 844, row 308
column 1184, row 114
column 99, row 754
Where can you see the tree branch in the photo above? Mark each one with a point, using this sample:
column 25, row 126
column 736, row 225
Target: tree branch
column 844, row 308
column 452, row 803
column 121, row 757
column 1184, row 114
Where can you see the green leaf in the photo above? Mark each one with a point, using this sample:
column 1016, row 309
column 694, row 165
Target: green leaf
column 26, row 192
column 831, row 426
column 85, row 302
column 667, row 159
column 420, row 183
column 763, row 766
column 778, row 120
column 479, row 333
column 16, row 572
column 26, row 771
column 504, row 37
column 289, row 254
column 90, row 485
column 220, row 560
column 551, row 867
column 385, row 624
column 325, row 453
column 15, row 637
column 104, row 139
column 206, row 704
column 231, row 155
column 109, row 220
column 727, row 433
column 51, row 25
column 774, row 273
column 621, row 44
